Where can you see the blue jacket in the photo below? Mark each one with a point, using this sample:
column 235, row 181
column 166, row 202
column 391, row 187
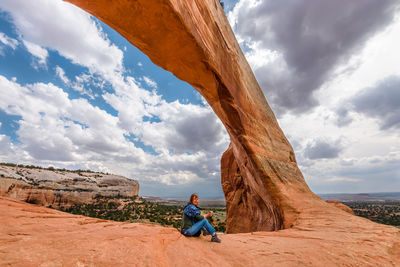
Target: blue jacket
column 191, row 215
column 191, row 210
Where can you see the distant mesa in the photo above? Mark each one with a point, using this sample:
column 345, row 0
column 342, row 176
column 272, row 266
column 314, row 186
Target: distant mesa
column 61, row 188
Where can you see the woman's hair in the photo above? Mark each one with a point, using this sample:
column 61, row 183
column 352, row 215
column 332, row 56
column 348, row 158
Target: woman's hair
column 192, row 197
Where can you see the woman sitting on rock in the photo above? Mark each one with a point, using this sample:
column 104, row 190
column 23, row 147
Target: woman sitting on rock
column 193, row 222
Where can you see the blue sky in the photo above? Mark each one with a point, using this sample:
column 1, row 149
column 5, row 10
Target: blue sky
column 81, row 96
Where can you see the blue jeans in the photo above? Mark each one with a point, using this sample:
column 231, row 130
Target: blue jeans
column 197, row 226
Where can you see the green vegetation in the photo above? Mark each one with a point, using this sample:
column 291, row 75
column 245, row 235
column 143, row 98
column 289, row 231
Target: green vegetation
column 49, row 168
column 385, row 212
column 136, row 209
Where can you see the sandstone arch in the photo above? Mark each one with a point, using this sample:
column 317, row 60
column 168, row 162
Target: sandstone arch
column 263, row 187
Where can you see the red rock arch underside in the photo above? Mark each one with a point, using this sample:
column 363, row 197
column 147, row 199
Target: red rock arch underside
column 263, row 186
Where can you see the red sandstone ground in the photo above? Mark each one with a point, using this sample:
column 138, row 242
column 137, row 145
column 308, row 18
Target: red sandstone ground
column 36, row 236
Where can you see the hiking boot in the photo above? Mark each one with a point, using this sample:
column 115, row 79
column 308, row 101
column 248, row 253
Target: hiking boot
column 215, row 238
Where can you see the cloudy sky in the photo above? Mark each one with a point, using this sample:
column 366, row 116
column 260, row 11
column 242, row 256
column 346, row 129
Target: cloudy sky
column 75, row 94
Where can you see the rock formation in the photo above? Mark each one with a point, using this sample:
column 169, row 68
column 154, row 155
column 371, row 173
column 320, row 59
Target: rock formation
column 263, row 187
column 37, row 236
column 341, row 206
column 61, row 188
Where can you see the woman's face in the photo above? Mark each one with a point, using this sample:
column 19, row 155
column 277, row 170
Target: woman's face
column 196, row 201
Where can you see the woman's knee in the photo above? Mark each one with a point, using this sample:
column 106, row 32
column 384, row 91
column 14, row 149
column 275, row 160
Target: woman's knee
column 204, row 221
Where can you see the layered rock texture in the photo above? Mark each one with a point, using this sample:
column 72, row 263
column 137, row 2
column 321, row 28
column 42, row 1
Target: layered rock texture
column 264, row 188
column 61, row 188
column 36, row 236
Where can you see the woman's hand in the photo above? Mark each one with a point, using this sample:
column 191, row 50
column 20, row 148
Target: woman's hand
column 208, row 214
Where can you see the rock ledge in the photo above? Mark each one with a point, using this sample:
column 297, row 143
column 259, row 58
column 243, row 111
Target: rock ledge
column 38, row 236
column 61, row 188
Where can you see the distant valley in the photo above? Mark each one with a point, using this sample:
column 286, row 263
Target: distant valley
column 363, row 197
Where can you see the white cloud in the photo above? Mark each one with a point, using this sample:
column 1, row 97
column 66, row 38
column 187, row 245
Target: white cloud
column 365, row 174
column 257, row 56
column 365, row 152
column 305, row 62
column 150, row 82
column 5, row 148
column 61, row 74
column 8, row 41
column 182, row 128
column 186, row 137
column 295, row 46
column 67, row 29
column 132, row 103
column 73, row 133
column 39, row 52
column 178, row 177
column 375, row 61
column 322, row 149
column 51, row 127
column 343, row 179
column 186, row 128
